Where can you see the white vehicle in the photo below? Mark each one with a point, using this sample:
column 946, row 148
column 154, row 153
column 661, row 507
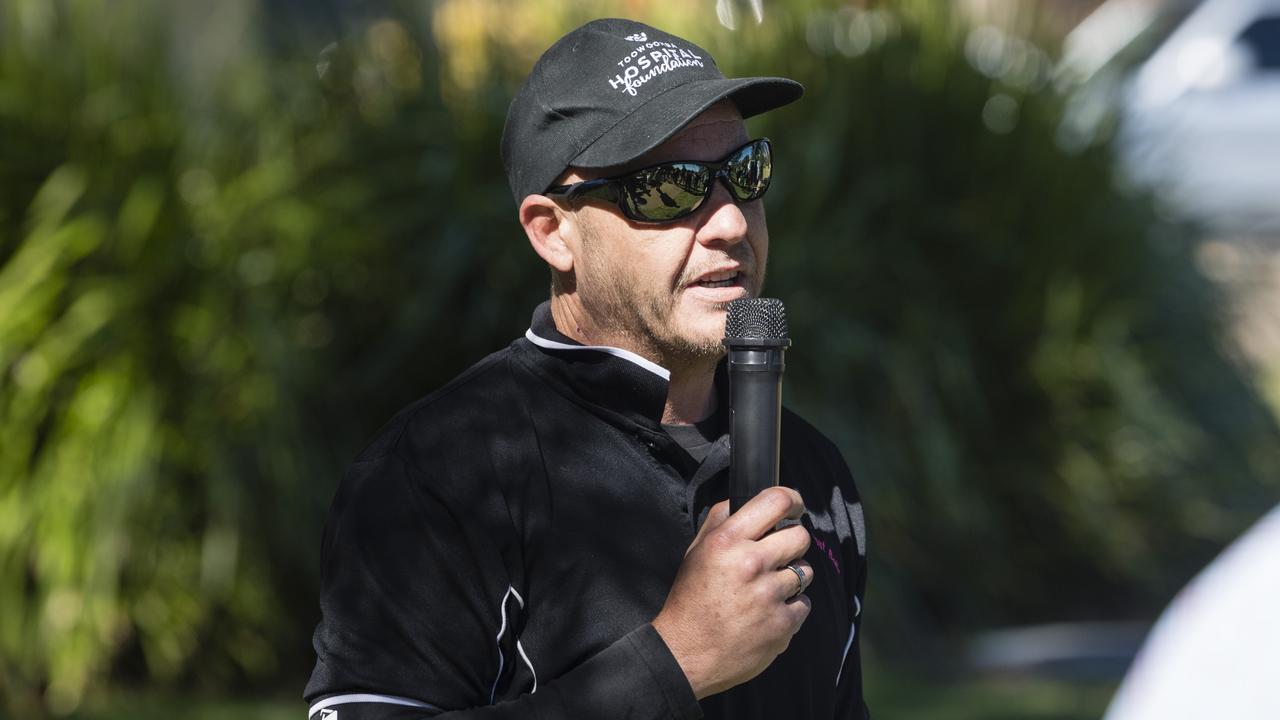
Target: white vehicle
column 1201, row 117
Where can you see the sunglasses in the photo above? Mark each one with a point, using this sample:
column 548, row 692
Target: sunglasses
column 672, row 190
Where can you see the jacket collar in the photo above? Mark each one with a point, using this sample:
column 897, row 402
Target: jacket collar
column 609, row 378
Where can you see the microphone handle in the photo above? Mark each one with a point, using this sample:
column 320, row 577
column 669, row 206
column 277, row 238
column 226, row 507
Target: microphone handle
column 755, row 413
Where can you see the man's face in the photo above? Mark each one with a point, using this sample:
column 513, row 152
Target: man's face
column 665, row 288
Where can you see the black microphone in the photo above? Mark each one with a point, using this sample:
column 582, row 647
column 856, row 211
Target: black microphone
column 755, row 333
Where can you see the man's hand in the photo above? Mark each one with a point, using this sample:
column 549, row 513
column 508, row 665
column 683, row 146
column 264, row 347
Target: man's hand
column 734, row 605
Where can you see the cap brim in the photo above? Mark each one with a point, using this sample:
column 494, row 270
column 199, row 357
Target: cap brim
column 663, row 116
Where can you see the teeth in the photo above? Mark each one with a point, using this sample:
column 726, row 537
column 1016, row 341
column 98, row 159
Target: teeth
column 719, row 280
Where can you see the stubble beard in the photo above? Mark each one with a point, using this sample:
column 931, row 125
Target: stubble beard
column 646, row 321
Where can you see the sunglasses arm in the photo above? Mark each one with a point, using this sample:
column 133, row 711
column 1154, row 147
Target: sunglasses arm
column 601, row 189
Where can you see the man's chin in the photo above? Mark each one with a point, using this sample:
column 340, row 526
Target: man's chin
column 703, row 341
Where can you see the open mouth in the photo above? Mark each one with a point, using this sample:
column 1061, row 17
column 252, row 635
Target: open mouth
column 719, row 280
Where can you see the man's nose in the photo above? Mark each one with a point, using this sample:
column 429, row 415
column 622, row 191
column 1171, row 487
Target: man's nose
column 725, row 222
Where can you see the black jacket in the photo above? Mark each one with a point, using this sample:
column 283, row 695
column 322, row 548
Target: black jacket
column 500, row 547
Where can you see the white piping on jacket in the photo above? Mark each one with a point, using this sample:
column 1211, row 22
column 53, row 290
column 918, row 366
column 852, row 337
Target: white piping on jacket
column 368, row 698
column 853, row 627
column 520, row 648
column 652, row 367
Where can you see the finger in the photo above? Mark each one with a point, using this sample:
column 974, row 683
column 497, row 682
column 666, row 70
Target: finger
column 782, row 546
column 789, row 581
column 715, row 518
column 763, row 511
column 799, row 607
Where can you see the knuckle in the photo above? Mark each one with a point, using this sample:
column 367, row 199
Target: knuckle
column 749, row 565
column 794, row 499
column 780, row 497
column 761, row 594
column 719, row 541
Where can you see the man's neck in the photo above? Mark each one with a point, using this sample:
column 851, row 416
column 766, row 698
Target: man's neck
column 691, row 396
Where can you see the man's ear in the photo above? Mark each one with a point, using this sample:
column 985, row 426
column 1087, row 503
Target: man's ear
column 546, row 224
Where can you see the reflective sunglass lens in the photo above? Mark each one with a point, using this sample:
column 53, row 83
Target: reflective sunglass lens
column 666, row 192
column 749, row 171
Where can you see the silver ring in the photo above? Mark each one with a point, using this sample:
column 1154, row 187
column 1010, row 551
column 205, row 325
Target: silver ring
column 799, row 575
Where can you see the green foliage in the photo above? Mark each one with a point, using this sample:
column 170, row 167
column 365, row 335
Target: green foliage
column 200, row 321
column 233, row 243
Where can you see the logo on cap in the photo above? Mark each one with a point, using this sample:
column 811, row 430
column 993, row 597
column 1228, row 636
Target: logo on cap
column 638, row 37
column 648, row 61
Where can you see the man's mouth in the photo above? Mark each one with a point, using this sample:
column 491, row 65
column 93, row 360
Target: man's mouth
column 728, row 278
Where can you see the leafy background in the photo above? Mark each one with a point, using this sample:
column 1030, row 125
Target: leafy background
column 235, row 237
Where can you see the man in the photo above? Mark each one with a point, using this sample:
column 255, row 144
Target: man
column 546, row 536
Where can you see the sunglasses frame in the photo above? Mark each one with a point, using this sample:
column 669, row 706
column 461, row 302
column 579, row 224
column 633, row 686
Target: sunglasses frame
column 610, row 189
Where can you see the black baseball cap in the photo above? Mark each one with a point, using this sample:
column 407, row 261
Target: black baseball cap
column 612, row 90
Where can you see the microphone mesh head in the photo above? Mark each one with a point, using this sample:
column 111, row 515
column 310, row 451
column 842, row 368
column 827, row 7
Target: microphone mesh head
column 757, row 319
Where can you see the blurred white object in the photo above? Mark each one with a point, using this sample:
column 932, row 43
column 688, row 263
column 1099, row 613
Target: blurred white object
column 1215, row 653
column 1103, row 34
column 1202, row 115
column 729, row 17
column 1074, row 650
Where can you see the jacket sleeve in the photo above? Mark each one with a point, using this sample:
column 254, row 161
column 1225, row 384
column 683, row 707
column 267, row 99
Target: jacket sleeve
column 421, row 618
